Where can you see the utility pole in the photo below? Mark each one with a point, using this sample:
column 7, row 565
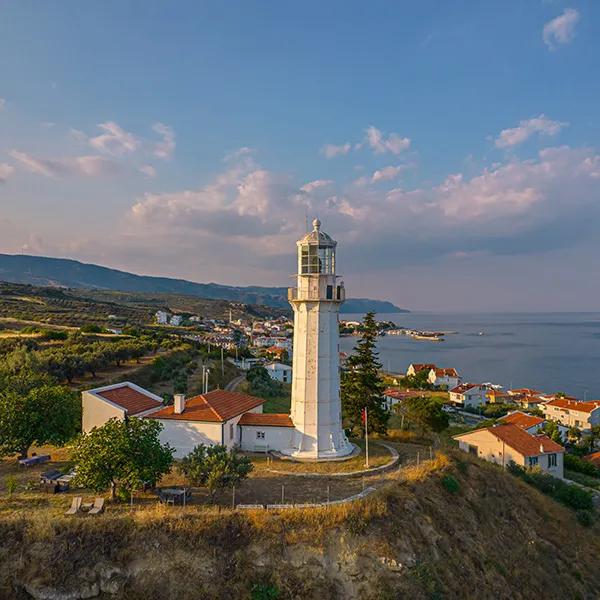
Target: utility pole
column 222, row 364
column 366, row 419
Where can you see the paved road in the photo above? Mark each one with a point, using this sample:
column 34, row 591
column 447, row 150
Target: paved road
column 232, row 385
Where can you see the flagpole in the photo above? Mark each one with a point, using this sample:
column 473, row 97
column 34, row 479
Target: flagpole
column 367, row 436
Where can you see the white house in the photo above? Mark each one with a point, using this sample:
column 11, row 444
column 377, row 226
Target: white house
column 176, row 320
column 469, row 395
column 118, row 401
column 573, row 413
column 210, row 418
column 443, row 377
column 530, row 423
column 162, row 318
column 504, row 443
column 279, row 372
column 415, row 368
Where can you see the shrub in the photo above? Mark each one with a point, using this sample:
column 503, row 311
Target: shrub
column 574, row 463
column 264, row 591
column 574, row 497
column 585, row 517
column 11, row 484
column 450, row 483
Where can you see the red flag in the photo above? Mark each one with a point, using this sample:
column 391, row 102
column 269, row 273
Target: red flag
column 363, row 415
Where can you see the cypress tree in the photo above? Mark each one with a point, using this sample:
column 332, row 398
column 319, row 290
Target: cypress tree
column 362, row 385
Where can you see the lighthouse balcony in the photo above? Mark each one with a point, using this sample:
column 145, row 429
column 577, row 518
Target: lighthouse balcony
column 334, row 293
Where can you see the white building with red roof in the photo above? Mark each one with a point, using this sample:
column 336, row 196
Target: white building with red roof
column 415, row 368
column 573, row 413
column 469, row 395
column 448, row 378
column 530, row 423
column 508, row 442
column 118, row 401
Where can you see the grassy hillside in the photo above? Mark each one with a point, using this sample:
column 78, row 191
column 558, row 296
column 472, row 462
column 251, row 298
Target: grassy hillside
column 493, row 537
column 45, row 271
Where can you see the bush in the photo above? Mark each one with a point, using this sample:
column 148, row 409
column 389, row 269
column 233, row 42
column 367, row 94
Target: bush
column 574, row 497
column 264, row 591
column 451, row 484
column 585, row 517
column 11, row 484
column 91, row 329
column 575, row 463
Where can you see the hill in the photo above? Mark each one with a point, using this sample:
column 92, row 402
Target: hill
column 62, row 272
column 492, row 537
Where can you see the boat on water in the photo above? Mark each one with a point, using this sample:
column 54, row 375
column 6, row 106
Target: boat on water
column 428, row 336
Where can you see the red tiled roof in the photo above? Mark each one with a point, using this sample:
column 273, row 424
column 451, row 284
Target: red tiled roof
column 521, row 419
column 524, row 443
column 520, row 440
column 463, row 387
column 445, row 372
column 420, row 366
column 133, row 401
column 399, row 394
column 524, row 392
column 215, row 407
column 594, row 458
column 266, row 420
column 578, row 405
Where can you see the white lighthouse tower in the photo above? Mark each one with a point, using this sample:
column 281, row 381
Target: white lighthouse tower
column 316, row 406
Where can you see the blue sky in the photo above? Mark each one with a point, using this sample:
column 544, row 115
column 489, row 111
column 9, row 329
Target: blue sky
column 451, row 148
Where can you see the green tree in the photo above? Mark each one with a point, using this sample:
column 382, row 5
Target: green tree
column 48, row 414
column 551, row 429
column 427, row 414
column 362, row 384
column 215, row 468
column 122, row 456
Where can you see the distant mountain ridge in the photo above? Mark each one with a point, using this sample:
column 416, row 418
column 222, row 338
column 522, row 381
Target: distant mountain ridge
column 65, row 272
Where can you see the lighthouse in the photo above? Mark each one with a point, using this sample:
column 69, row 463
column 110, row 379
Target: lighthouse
column 316, row 410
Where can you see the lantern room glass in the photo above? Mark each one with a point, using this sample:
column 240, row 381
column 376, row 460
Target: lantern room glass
column 317, row 260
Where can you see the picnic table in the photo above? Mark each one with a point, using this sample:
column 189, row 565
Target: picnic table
column 174, row 496
column 34, row 460
column 56, row 481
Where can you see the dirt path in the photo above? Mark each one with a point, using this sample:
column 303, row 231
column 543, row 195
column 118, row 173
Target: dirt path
column 232, row 385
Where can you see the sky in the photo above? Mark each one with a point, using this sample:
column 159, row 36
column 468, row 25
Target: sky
column 451, row 148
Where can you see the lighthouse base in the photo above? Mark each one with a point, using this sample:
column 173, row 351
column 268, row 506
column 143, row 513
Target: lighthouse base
column 306, row 450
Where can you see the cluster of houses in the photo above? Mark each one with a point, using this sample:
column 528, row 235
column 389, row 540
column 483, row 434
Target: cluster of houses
column 517, row 436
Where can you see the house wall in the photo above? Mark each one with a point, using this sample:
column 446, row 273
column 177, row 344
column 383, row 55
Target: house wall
column 184, row 435
column 276, row 438
column 95, row 412
column 283, row 375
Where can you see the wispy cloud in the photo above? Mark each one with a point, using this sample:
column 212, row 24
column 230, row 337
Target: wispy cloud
column 526, row 128
column 2, row 103
column 114, row 140
column 6, row 171
column 311, row 186
column 148, row 170
column 386, row 173
column 164, row 149
column 332, row 150
column 89, row 166
column 381, row 144
column 561, row 30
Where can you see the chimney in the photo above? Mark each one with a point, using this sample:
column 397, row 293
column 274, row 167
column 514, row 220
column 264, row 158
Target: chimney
column 541, row 448
column 178, row 403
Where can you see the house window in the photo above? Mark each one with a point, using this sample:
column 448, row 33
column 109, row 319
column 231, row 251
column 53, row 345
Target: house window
column 577, row 423
column 260, row 435
column 230, row 431
column 472, row 449
column 551, row 460
column 533, row 461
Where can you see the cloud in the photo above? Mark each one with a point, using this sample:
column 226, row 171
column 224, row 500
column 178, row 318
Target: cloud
column 239, row 153
column 89, row 166
column 148, row 170
column 386, row 173
column 2, row 104
column 6, row 171
column 115, row 140
column 311, row 186
column 526, row 128
column 164, row 149
column 380, row 144
column 561, row 30
column 331, row 150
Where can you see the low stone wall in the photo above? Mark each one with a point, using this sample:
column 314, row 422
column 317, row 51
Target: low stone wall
column 359, row 496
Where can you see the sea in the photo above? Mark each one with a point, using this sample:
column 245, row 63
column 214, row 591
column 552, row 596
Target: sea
column 550, row 352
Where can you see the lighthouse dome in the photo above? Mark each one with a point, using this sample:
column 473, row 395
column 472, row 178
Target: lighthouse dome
column 318, row 237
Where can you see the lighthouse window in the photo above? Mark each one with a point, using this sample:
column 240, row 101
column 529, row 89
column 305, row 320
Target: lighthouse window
column 317, row 259
column 329, row 292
